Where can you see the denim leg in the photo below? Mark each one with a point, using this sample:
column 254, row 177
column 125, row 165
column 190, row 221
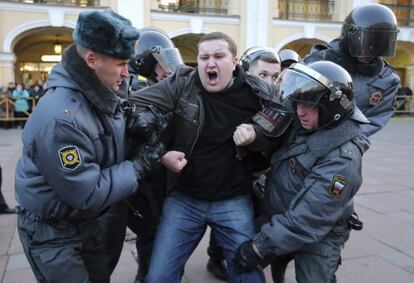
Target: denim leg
column 232, row 223
column 182, row 225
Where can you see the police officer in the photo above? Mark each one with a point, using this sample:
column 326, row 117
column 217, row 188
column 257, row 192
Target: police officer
column 73, row 165
column 313, row 177
column 368, row 33
column 288, row 57
column 263, row 62
column 155, row 58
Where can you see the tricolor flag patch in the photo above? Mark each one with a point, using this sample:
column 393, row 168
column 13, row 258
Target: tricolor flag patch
column 337, row 186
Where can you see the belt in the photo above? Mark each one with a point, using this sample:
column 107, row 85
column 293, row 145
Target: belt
column 50, row 221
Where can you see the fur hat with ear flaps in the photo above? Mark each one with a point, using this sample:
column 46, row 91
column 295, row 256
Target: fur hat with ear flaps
column 106, row 32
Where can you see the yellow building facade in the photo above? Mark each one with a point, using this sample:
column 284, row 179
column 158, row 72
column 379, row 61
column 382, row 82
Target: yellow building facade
column 31, row 29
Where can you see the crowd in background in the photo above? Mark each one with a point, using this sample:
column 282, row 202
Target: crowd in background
column 17, row 100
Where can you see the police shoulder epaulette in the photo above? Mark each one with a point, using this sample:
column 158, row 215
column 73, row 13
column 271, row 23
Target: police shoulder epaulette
column 68, row 106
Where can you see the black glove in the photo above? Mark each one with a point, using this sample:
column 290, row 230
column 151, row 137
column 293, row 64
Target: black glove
column 145, row 125
column 246, row 259
column 147, row 159
column 272, row 121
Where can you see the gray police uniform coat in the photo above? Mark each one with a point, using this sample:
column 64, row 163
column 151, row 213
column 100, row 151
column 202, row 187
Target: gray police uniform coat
column 375, row 85
column 72, row 169
column 308, row 197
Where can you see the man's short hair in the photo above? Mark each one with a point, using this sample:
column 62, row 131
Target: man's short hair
column 220, row 36
column 265, row 57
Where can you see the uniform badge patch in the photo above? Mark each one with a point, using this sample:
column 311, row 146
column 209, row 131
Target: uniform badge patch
column 338, row 183
column 375, row 98
column 69, row 157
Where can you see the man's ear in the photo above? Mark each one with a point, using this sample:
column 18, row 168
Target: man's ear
column 234, row 63
column 90, row 59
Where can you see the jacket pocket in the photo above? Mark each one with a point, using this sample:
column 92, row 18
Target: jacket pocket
column 188, row 111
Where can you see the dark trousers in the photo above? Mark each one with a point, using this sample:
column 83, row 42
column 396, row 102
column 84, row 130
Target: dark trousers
column 64, row 251
column 317, row 262
column 113, row 225
column 20, row 115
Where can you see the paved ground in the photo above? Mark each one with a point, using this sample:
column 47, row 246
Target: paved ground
column 383, row 252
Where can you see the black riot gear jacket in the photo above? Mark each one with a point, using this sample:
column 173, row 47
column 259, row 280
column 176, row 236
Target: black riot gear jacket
column 370, row 31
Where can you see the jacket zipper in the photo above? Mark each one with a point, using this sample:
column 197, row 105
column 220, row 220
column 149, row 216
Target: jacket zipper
column 201, row 117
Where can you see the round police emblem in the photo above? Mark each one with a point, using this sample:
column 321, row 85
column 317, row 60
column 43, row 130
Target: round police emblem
column 375, row 98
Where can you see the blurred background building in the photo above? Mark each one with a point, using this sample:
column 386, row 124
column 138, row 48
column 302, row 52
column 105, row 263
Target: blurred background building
column 33, row 33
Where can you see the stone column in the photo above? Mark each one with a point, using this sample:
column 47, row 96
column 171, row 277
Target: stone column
column 7, row 61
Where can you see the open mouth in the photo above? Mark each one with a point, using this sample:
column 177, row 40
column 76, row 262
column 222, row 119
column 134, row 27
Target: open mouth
column 212, row 76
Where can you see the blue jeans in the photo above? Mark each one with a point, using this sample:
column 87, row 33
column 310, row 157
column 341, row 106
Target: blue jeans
column 182, row 225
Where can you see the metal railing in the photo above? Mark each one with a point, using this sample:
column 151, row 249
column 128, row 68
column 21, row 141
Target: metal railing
column 209, row 7
column 311, row 10
column 77, row 3
column 7, row 106
column 404, row 14
column 404, row 105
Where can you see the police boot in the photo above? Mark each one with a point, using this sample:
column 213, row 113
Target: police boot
column 216, row 264
column 4, row 209
column 279, row 266
column 217, row 268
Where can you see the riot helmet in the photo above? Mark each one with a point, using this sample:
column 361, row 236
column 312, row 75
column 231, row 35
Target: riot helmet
column 288, row 57
column 370, row 31
column 258, row 53
column 154, row 46
column 322, row 84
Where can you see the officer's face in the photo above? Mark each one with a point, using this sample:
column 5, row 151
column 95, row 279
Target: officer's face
column 160, row 72
column 308, row 116
column 110, row 70
column 215, row 65
column 366, row 60
column 266, row 71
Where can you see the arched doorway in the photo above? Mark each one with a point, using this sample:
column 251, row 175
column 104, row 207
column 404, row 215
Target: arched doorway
column 302, row 46
column 403, row 62
column 37, row 51
column 187, row 44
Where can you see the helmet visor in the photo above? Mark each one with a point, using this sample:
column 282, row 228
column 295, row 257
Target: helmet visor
column 168, row 58
column 300, row 88
column 372, row 43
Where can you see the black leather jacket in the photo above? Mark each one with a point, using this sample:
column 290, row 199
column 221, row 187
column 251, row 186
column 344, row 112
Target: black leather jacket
column 179, row 93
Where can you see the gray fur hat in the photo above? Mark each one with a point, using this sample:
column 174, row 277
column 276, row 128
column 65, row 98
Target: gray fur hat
column 106, row 32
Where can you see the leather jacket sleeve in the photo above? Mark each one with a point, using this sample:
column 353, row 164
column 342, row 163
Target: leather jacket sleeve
column 164, row 95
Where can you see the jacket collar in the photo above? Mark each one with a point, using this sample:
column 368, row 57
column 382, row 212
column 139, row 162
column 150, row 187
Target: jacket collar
column 322, row 141
column 90, row 85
